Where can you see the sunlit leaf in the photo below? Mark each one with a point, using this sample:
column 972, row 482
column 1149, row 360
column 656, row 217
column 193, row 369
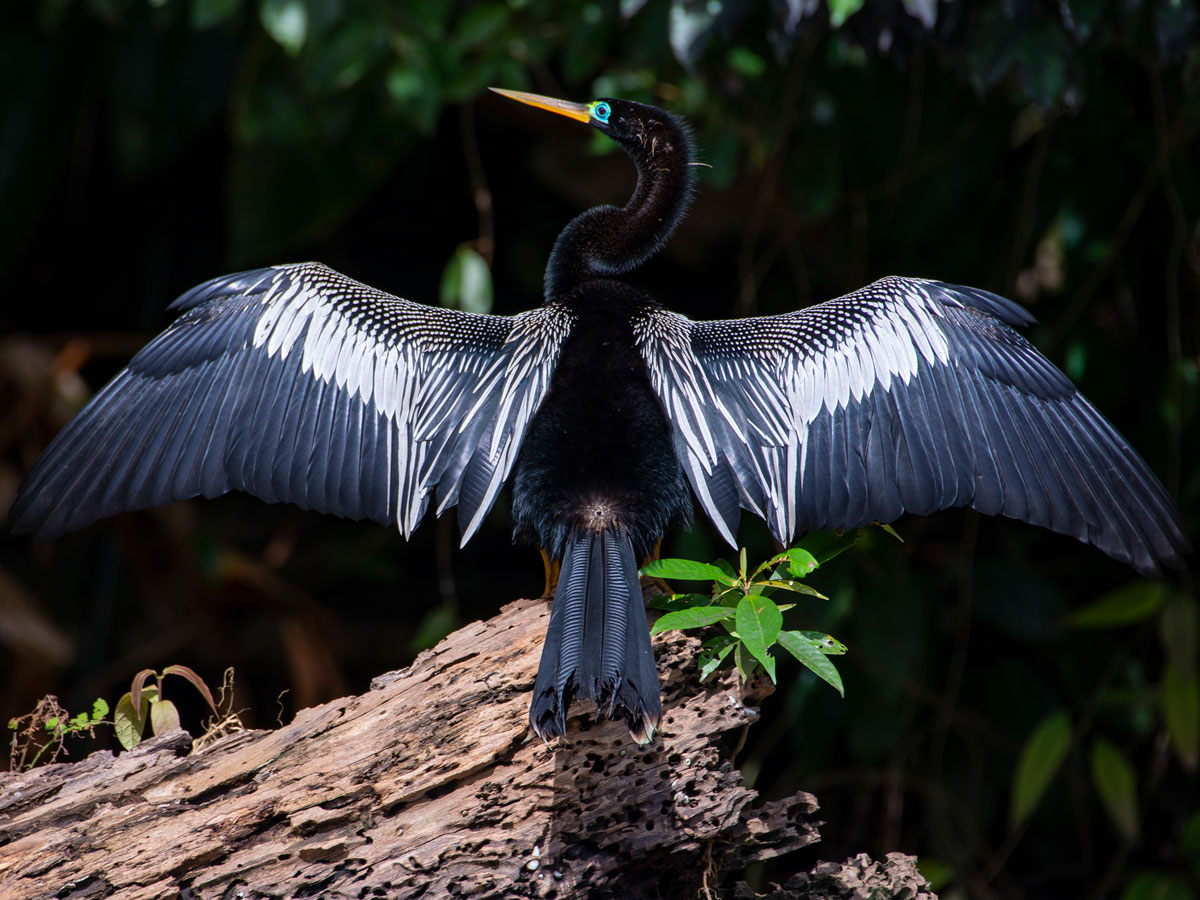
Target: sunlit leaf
column 813, row 657
column 99, row 709
column 1181, row 710
column 696, row 617
column 796, row 587
column 1116, row 784
column 758, row 621
column 800, row 561
column 128, row 723
column 685, row 570
column 827, row 644
column 1040, row 759
column 1130, row 603
column 163, row 716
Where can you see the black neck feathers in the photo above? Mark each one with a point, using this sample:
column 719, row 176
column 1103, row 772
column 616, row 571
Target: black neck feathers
column 610, row 240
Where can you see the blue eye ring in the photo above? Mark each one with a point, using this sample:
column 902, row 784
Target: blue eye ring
column 600, row 111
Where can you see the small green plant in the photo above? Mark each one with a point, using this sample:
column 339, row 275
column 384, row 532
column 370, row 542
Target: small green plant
column 742, row 602
column 46, row 728
column 146, row 703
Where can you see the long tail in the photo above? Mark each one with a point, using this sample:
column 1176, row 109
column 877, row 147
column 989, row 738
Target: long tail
column 597, row 646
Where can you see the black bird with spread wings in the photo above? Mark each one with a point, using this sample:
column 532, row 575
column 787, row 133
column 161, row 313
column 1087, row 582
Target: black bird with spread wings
column 607, row 412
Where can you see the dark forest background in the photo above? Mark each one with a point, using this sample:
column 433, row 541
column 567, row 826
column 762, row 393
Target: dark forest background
column 1049, row 151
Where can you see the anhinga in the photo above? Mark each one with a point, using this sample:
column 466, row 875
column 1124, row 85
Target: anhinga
column 295, row 383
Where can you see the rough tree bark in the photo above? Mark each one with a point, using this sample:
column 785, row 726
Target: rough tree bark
column 430, row 784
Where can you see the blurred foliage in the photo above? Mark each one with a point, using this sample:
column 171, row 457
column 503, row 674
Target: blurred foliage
column 1048, row 151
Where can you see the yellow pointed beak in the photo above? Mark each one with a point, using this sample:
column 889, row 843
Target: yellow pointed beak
column 577, row 111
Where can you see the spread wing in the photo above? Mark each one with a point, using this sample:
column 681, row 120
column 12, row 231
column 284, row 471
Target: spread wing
column 297, row 384
column 904, row 396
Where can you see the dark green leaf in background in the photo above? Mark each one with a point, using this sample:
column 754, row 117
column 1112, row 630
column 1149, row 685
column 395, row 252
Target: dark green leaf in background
column 1038, row 763
column 1116, row 784
column 1131, row 603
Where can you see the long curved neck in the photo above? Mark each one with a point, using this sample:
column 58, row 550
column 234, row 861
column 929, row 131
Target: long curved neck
column 607, row 240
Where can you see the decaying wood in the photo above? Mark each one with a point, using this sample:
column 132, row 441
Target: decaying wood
column 430, row 784
column 858, row 878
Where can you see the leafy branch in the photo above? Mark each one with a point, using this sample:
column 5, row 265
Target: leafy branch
column 742, row 602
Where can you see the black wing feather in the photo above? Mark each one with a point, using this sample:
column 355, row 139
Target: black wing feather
column 905, row 396
column 297, row 384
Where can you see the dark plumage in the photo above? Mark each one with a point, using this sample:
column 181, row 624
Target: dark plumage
column 297, row 384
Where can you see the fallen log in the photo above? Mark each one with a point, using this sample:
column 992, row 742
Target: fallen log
column 430, row 784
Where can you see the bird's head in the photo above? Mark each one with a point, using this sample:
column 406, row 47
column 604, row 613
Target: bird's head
column 643, row 130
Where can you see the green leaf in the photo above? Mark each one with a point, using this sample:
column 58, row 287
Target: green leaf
column 99, row 709
column 713, row 653
column 758, row 621
column 163, row 716
column 745, row 663
column 210, row 13
column 286, row 21
column 811, row 655
column 1117, row 785
column 1181, row 710
column 841, row 10
column 1189, row 842
column 1157, row 886
column 727, row 567
column 685, row 570
column 1178, row 630
column 467, row 282
column 79, row 721
column 938, row 872
column 127, row 723
column 888, row 529
column 481, row 22
column 434, row 625
column 825, row 545
column 826, row 643
column 800, row 561
column 673, row 602
column 1040, row 759
column 1130, row 603
column 786, row 584
column 694, row 617
column 51, row 723
column 746, row 62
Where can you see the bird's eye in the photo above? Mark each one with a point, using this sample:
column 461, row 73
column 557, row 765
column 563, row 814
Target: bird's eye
column 601, row 111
